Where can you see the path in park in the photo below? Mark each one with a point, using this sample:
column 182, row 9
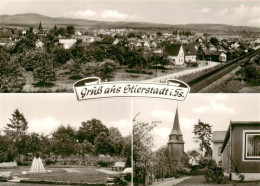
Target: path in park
column 162, row 79
column 5, row 173
column 70, row 170
column 170, row 181
column 108, row 171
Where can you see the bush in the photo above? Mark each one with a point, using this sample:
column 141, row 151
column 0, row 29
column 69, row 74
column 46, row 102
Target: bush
column 75, row 77
column 104, row 163
column 212, row 172
column 138, row 72
column 19, row 163
column 43, row 84
column 50, row 162
column 119, row 180
column 128, row 177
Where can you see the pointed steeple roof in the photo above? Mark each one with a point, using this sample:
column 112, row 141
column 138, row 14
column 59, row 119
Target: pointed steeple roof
column 176, row 125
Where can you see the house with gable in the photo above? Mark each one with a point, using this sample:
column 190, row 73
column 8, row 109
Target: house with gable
column 217, row 142
column 222, row 57
column 241, row 150
column 175, row 53
column 190, row 53
column 39, row 44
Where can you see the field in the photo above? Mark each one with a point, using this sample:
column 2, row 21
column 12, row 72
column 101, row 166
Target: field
column 63, row 82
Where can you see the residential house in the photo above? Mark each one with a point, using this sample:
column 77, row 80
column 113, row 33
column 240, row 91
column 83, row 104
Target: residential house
column 153, row 44
column 24, row 32
column 241, row 150
column 175, row 53
column 4, row 41
column 39, row 44
column 116, row 41
column 146, row 45
column 67, row 43
column 217, row 142
column 222, row 57
column 212, row 48
column 235, row 45
column 78, row 33
column 190, row 53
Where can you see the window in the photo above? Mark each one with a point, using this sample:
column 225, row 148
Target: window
column 251, row 145
column 219, row 151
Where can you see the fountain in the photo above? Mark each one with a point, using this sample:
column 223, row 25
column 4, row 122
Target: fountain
column 37, row 166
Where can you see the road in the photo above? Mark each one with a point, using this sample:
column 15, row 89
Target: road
column 181, row 73
column 170, row 181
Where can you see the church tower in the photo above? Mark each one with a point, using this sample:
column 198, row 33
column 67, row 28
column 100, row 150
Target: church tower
column 176, row 143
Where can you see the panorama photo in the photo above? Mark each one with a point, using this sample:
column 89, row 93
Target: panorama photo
column 54, row 139
column 212, row 45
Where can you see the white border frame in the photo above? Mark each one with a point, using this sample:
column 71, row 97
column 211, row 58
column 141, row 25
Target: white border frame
column 243, row 142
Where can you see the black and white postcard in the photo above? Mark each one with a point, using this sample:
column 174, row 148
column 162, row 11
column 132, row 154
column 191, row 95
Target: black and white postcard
column 128, row 92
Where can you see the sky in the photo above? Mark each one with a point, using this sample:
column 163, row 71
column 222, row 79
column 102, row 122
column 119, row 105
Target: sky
column 46, row 112
column 232, row 12
column 215, row 109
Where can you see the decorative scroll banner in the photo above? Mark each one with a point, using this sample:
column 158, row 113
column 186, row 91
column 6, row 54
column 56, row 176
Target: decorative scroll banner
column 92, row 88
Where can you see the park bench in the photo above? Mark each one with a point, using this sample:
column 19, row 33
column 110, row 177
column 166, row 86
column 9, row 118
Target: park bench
column 118, row 166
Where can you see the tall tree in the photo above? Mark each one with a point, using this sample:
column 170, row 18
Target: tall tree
column 11, row 74
column 116, row 139
column 16, row 132
column 202, row 132
column 18, row 125
column 70, row 30
column 90, row 129
column 103, row 144
column 143, row 156
column 65, row 141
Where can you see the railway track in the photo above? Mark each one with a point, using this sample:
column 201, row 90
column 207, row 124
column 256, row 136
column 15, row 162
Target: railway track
column 211, row 76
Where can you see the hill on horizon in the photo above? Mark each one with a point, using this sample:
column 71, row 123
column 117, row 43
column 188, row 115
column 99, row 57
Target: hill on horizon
column 33, row 19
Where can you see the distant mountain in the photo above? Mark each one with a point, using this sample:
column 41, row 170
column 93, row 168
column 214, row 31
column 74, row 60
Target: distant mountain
column 33, row 19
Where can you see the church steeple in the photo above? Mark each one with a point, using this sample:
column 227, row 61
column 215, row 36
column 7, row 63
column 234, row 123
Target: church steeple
column 176, row 143
column 176, row 125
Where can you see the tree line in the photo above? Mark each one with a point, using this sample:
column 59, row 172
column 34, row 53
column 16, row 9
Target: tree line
column 92, row 137
column 100, row 58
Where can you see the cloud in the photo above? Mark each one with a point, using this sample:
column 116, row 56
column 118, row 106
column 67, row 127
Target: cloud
column 203, row 10
column 255, row 22
column 114, row 14
column 187, row 123
column 104, row 15
column 214, row 107
column 245, row 14
column 46, row 125
column 162, row 132
column 124, row 126
column 223, row 11
column 221, row 97
column 85, row 14
column 160, row 113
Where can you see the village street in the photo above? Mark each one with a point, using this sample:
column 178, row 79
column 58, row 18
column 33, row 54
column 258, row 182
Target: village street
column 163, row 79
column 170, row 181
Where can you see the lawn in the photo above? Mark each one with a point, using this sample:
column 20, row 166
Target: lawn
column 81, row 174
column 200, row 180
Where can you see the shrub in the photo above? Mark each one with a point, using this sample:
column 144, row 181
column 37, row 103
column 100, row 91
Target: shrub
column 104, row 163
column 50, row 162
column 75, row 77
column 19, row 163
column 119, row 180
column 128, row 177
column 212, row 172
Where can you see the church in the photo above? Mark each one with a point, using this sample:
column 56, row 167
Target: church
column 176, row 143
